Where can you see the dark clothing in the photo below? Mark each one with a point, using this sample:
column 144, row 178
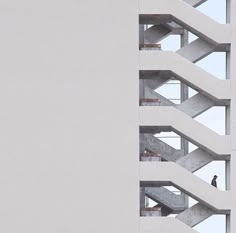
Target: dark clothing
column 214, row 183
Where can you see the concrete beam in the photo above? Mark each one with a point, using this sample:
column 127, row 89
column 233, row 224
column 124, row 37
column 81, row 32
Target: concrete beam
column 195, row 160
column 154, row 79
column 157, row 146
column 196, row 105
column 196, row 50
column 156, row 33
column 195, row 215
column 165, row 197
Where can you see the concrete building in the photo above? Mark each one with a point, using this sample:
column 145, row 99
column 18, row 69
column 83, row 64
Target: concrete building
column 80, row 116
column 162, row 165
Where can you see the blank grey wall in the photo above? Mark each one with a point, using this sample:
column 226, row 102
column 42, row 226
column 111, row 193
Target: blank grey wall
column 68, row 116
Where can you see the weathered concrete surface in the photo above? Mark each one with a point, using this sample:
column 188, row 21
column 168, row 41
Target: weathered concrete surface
column 167, row 198
column 196, row 50
column 196, row 105
column 195, row 160
column 142, row 197
column 156, row 145
column 150, row 158
column 165, row 211
column 156, row 33
column 153, row 79
column 151, row 212
column 195, row 215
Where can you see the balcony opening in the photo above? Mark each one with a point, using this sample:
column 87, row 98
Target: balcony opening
column 216, row 224
column 219, row 12
column 170, row 138
column 191, row 92
column 171, row 91
column 217, row 122
column 214, row 64
column 191, row 147
column 214, row 168
column 192, row 37
column 171, row 43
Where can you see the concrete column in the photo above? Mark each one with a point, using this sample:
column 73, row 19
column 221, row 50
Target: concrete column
column 141, row 144
column 227, row 114
column 141, row 33
column 141, row 88
column 231, row 16
column 184, row 90
column 227, row 118
column 227, row 175
column 227, row 225
column 228, row 11
column 142, row 198
column 141, row 41
column 227, row 132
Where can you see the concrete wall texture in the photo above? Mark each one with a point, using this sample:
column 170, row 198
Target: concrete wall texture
column 70, row 120
column 69, row 116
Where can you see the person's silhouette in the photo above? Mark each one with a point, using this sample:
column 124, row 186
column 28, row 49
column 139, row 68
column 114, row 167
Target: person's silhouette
column 213, row 182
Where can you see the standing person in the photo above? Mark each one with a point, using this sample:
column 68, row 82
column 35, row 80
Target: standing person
column 213, row 182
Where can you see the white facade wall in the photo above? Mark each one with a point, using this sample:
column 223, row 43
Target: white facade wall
column 69, row 116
